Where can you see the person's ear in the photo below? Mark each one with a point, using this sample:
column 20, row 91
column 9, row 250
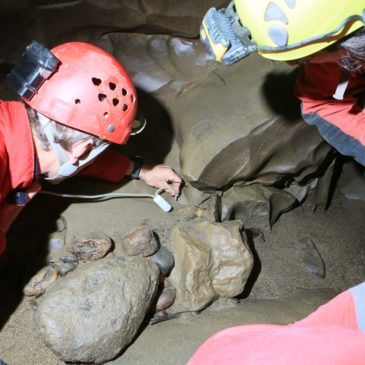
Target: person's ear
column 80, row 149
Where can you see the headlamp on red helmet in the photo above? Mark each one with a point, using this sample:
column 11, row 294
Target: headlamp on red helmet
column 79, row 86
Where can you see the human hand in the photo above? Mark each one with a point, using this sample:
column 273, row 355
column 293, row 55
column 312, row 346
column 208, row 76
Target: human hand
column 33, row 189
column 162, row 177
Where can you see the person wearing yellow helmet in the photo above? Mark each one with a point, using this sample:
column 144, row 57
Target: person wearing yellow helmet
column 327, row 38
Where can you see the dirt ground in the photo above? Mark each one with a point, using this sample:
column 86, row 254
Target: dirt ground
column 281, row 288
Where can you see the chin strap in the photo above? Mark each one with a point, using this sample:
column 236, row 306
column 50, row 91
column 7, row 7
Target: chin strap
column 66, row 169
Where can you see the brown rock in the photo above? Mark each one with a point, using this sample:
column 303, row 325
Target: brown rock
column 256, row 206
column 93, row 247
column 211, row 260
column 210, row 209
column 166, row 299
column 40, row 282
column 140, row 242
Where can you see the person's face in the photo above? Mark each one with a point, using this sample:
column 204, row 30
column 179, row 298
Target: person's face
column 49, row 162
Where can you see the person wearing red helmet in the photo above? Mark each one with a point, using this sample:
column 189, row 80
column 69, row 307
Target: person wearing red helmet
column 77, row 100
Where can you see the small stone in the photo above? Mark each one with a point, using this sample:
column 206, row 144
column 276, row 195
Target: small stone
column 210, row 209
column 61, row 224
column 33, row 304
column 64, row 268
column 140, row 242
column 93, row 247
column 55, row 243
column 163, row 316
column 166, row 299
column 312, row 259
column 40, row 282
column 164, row 260
column 69, row 258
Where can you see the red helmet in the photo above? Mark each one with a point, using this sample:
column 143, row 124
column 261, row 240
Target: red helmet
column 89, row 91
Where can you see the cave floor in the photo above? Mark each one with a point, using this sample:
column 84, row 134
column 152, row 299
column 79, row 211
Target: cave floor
column 281, row 289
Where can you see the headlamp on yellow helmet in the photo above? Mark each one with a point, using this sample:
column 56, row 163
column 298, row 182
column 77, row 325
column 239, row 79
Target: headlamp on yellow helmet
column 279, row 29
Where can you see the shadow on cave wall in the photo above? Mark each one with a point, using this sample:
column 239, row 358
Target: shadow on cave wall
column 278, row 91
column 155, row 142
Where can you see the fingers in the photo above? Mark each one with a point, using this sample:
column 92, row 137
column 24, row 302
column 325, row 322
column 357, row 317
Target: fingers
column 164, row 177
column 173, row 186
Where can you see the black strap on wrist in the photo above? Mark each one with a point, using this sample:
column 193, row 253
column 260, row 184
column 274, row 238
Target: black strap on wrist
column 137, row 165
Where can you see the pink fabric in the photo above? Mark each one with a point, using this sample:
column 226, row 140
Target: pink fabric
column 340, row 311
column 283, row 345
column 329, row 336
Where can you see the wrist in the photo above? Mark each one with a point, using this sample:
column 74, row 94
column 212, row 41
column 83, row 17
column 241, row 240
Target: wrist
column 136, row 168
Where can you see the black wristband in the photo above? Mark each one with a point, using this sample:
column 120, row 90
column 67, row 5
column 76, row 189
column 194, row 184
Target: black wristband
column 137, row 165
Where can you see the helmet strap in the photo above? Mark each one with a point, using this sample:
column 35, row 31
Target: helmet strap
column 66, row 169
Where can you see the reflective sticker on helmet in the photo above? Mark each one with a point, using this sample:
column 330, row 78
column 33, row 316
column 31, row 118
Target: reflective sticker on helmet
column 291, row 3
column 111, row 128
column 273, row 12
column 279, row 35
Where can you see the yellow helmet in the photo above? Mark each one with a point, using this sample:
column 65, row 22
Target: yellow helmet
column 290, row 29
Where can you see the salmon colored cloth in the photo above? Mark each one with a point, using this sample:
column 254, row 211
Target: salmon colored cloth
column 329, row 336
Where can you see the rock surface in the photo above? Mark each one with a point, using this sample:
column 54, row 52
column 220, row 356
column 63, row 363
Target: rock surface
column 40, row 282
column 211, row 260
column 164, row 260
column 141, row 241
column 93, row 246
column 256, row 206
column 94, row 312
column 235, row 132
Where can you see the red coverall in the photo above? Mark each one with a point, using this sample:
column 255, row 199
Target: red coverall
column 332, row 100
column 17, row 156
column 333, row 335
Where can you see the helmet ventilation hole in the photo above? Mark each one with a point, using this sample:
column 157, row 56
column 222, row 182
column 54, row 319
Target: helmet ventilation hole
column 125, row 107
column 115, row 101
column 133, row 98
column 101, row 97
column 106, row 115
column 96, row 81
column 77, row 101
column 124, row 92
column 112, row 86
